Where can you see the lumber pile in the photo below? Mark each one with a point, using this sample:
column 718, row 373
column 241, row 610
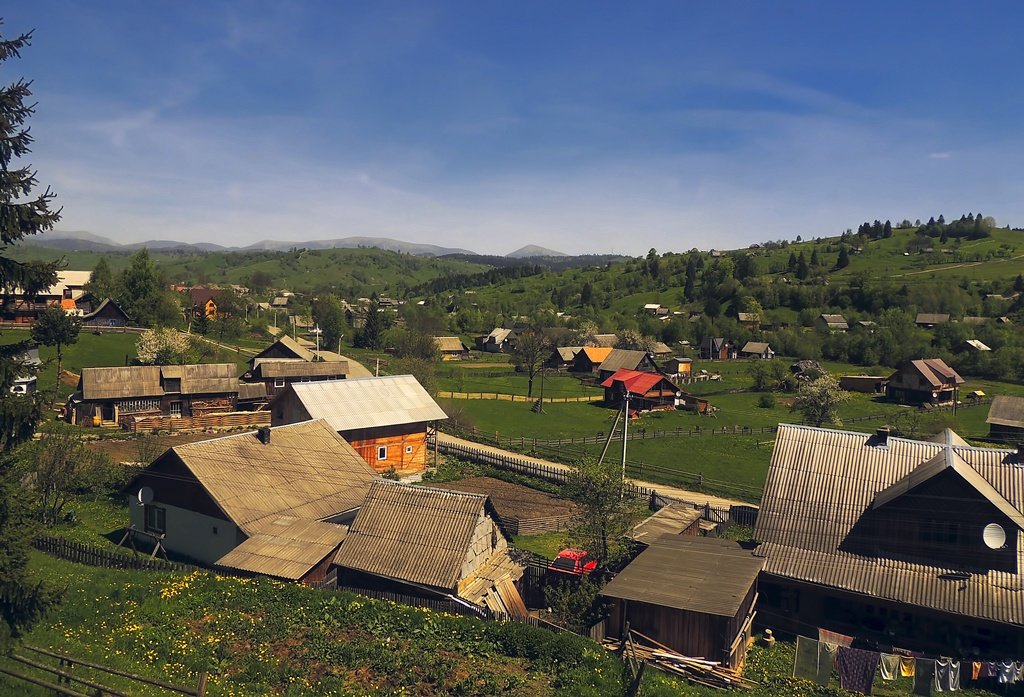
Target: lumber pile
column 698, row 671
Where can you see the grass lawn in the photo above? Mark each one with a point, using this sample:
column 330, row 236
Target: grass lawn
column 547, row 545
column 91, row 350
column 516, row 383
column 96, row 520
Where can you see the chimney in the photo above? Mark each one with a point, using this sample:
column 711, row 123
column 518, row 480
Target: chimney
column 882, row 435
column 263, row 434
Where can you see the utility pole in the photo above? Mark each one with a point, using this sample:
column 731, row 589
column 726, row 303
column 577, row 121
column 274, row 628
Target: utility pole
column 541, row 410
column 625, row 435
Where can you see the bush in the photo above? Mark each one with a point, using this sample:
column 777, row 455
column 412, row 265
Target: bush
column 766, row 401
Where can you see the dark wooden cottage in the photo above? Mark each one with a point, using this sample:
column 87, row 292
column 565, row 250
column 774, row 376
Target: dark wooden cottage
column 107, row 314
column 1006, row 419
column 924, row 381
column 625, row 359
column 714, row 348
column 695, row 595
column 588, row 359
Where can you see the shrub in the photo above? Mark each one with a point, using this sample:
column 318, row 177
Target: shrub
column 766, row 401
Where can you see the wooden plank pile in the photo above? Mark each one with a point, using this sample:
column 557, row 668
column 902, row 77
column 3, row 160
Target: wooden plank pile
column 639, row 648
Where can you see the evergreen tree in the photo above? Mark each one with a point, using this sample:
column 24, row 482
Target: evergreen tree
column 802, row 271
column 22, row 213
column 791, row 264
column 815, row 260
column 887, row 230
column 101, row 283
column 372, row 333
column 143, row 294
column 844, row 258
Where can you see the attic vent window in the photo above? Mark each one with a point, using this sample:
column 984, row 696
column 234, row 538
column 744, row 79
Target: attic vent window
column 172, row 384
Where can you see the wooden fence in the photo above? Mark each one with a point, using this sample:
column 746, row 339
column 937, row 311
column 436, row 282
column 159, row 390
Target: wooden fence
column 92, row 555
column 187, row 423
column 502, row 397
column 536, row 526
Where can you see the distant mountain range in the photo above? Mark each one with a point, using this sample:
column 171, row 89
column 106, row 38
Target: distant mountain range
column 80, row 240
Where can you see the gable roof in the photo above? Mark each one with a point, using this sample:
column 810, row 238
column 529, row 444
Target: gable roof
column 595, row 354
column 1006, row 411
column 366, row 402
column 975, row 344
column 835, row 321
column 306, row 471
column 935, row 372
column 758, row 347
column 673, row 519
column 567, row 353
column 696, row 574
column 636, row 381
column 412, row 533
column 713, row 343
column 450, row 343
column 286, row 547
column 747, row 317
column 820, row 483
column 290, row 345
column 499, row 335
column 296, row 369
column 623, row 358
column 931, row 318
column 605, row 340
column 660, row 348
column 107, row 302
column 148, row 380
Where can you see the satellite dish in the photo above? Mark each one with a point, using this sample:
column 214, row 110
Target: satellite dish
column 994, row 536
column 145, row 495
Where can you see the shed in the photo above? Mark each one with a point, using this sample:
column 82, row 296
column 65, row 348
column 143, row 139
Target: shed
column 288, row 548
column 868, row 384
column 930, row 319
column 1006, row 418
column 451, row 348
column 695, row 595
column 832, row 323
column 674, row 519
column 679, row 366
column 757, row 349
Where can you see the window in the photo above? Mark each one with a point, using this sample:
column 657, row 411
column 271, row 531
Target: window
column 172, row 384
column 156, row 519
column 304, row 378
column 382, row 452
column 174, row 409
column 279, row 382
column 408, row 450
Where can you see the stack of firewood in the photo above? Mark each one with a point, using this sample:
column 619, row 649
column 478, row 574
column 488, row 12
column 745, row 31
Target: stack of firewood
column 698, row 671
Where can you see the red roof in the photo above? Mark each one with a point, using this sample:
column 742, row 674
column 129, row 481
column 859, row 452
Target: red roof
column 636, row 382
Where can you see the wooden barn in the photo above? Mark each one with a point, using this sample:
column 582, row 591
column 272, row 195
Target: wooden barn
column 1006, row 419
column 588, row 359
column 623, row 359
column 206, row 499
column 647, row 391
column 451, row 348
column 562, row 357
column 385, row 419
column 114, row 396
column 107, row 314
column 716, row 348
column 757, row 349
column 903, row 542
column 694, row 595
column 868, row 384
column 924, row 381
column 424, row 541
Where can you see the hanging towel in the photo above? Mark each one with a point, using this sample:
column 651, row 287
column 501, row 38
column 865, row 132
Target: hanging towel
column 947, row 675
column 923, row 672
column 1018, row 671
column 1005, row 673
column 889, row 666
column 826, row 662
column 805, row 663
column 857, row 669
column 954, row 676
column 834, row 637
column 907, row 666
column 988, row 669
column 975, row 669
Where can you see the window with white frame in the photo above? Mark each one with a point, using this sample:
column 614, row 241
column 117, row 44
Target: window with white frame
column 382, row 452
column 279, row 382
column 408, row 450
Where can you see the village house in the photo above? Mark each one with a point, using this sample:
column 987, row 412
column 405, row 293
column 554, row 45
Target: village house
column 204, row 500
column 107, row 314
column 660, row 349
column 925, row 381
column 562, row 357
column 286, row 361
column 929, row 320
column 678, row 367
column 868, row 384
column 647, row 391
column 656, row 310
column 619, row 359
column 750, row 320
column 1006, row 419
column 208, row 302
column 24, row 308
column 425, row 541
column 500, row 340
column 693, row 595
column 385, row 419
column 119, row 396
column 757, row 349
column 605, row 340
column 588, row 359
column 451, row 348
column 716, row 349
column 909, row 543
column 972, row 345
column 831, row 323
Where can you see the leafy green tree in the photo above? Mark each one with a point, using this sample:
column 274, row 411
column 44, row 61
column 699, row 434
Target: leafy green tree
column 605, row 514
column 101, row 283
column 413, row 344
column 22, row 213
column 329, row 315
column 819, row 401
column 144, row 295
column 56, row 328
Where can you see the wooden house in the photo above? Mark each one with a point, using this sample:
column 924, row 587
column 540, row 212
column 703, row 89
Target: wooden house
column 107, row 314
column 868, row 384
column 451, row 348
column 678, row 367
column 930, row 319
column 277, row 375
column 924, row 381
column 757, row 349
column 588, row 359
column 716, row 349
column 972, row 346
column 694, row 595
column 207, row 301
column 1006, row 419
column 624, row 359
column 385, row 419
column 203, row 500
column 115, row 396
column 656, row 310
column 750, row 320
column 831, row 323
column 19, row 306
column 605, row 340
column 435, row 542
column 660, row 349
column 907, row 543
column 500, row 340
column 562, row 357
column 647, row 391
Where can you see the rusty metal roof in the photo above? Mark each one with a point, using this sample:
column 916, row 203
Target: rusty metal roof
column 673, row 519
column 286, row 547
column 1006, row 411
column 306, row 470
column 821, row 482
column 367, row 402
column 696, row 574
column 411, row 533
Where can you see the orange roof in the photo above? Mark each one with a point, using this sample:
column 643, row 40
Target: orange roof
column 596, row 354
column 68, row 304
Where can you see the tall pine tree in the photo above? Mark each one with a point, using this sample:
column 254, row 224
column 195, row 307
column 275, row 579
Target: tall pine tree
column 23, row 211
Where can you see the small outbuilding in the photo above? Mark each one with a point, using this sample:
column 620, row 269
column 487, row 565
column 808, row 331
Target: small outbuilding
column 1006, row 418
column 451, row 348
column 868, row 384
column 674, row 519
column 930, row 319
column 679, row 367
column 757, row 349
column 694, row 595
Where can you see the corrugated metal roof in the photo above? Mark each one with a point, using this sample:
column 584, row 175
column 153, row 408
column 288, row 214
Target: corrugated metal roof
column 286, row 547
column 696, row 574
column 820, row 483
column 412, row 533
column 116, row 383
column 836, row 321
column 673, row 519
column 623, row 358
column 931, row 318
column 450, row 343
column 567, row 353
column 295, row 369
column 306, row 470
column 1006, row 411
column 248, row 391
column 638, row 382
column 754, row 347
column 367, row 402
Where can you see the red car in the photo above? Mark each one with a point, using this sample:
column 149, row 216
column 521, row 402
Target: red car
column 573, row 561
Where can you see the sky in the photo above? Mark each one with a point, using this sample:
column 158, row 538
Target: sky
column 584, row 127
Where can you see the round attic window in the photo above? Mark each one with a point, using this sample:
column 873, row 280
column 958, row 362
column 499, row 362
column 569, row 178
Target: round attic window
column 994, row 536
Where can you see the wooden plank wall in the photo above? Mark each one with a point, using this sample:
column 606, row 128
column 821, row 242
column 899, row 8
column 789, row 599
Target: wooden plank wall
column 403, row 462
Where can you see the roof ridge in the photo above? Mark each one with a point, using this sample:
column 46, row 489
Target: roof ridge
column 412, row 487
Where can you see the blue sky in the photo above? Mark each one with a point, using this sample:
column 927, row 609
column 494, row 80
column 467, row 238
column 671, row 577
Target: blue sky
column 580, row 126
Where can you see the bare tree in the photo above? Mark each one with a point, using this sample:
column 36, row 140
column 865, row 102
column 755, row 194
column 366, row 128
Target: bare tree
column 532, row 349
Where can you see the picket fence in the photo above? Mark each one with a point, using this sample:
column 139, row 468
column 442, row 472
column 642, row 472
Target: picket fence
column 503, row 397
column 92, row 555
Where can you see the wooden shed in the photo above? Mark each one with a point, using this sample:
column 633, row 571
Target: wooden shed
column 288, row 548
column 1006, row 418
column 695, row 595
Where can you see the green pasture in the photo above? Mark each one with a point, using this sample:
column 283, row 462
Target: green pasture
column 91, row 351
column 516, row 383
